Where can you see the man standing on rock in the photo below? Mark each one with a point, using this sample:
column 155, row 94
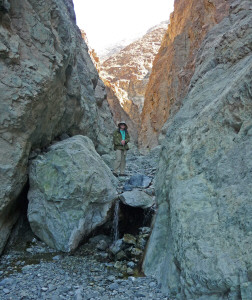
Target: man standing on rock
column 120, row 139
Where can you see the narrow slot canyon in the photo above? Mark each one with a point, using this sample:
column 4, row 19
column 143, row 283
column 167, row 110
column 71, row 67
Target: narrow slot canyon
column 125, row 150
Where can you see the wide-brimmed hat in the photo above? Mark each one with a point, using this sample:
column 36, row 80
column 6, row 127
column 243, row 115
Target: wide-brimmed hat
column 122, row 122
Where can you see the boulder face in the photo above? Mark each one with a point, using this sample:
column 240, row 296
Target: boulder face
column 137, row 198
column 71, row 192
column 174, row 65
column 49, row 86
column 204, row 181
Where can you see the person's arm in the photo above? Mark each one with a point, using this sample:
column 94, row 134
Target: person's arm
column 127, row 138
column 116, row 139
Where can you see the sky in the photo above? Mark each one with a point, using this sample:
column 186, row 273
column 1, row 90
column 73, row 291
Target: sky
column 109, row 21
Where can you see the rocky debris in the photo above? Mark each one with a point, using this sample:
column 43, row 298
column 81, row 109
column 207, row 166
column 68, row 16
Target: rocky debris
column 203, row 184
column 174, row 65
column 79, row 278
column 127, row 252
column 71, row 193
column 49, row 86
column 137, row 198
column 139, row 181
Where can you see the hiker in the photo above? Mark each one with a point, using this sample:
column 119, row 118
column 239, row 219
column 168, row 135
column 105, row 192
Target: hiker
column 120, row 139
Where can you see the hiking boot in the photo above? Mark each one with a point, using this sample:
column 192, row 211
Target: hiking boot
column 115, row 174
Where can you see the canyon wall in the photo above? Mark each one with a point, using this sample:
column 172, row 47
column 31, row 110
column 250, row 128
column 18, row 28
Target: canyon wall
column 49, row 87
column 174, row 64
column 201, row 243
column 126, row 74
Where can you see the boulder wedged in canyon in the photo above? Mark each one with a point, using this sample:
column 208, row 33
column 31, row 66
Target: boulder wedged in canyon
column 71, row 192
column 174, row 65
column 201, row 244
column 49, row 86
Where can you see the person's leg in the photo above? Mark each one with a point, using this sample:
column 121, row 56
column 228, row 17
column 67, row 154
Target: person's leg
column 117, row 161
column 123, row 162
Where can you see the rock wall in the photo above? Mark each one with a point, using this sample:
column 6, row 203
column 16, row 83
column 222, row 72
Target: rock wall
column 201, row 244
column 174, row 64
column 49, row 86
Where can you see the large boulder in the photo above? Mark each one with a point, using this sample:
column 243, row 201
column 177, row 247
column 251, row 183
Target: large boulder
column 49, row 86
column 137, row 198
column 71, row 192
column 201, row 243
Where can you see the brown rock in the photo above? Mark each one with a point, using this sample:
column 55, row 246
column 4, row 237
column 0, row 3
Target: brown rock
column 174, row 64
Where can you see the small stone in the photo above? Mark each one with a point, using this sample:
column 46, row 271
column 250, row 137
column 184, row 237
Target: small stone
column 131, row 264
column 116, row 247
column 136, row 252
column 102, row 245
column 57, row 257
column 44, row 289
column 130, row 271
column 121, row 255
column 129, row 239
column 145, row 230
column 111, row 278
column 6, row 291
column 152, row 284
column 117, row 265
column 51, row 287
column 131, row 278
column 113, row 286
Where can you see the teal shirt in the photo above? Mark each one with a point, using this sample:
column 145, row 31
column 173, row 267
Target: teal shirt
column 123, row 133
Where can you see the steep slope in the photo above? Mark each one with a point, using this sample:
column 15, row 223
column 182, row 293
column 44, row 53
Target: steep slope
column 128, row 71
column 174, row 64
column 49, row 86
column 201, row 244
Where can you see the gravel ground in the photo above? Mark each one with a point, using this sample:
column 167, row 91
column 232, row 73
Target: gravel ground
column 75, row 276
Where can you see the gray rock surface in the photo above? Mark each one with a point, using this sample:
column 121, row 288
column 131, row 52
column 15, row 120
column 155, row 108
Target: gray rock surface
column 137, row 198
column 71, row 192
column 138, row 180
column 201, row 244
column 49, row 86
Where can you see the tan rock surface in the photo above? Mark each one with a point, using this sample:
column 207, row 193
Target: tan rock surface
column 174, row 64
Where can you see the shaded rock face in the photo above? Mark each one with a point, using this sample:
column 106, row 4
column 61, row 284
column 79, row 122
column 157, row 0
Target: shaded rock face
column 127, row 74
column 174, row 65
column 201, row 244
column 71, row 192
column 49, row 86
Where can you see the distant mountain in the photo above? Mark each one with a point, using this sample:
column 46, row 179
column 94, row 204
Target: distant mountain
column 128, row 70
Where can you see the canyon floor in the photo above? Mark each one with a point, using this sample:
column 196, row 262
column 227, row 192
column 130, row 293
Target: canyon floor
column 32, row 270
